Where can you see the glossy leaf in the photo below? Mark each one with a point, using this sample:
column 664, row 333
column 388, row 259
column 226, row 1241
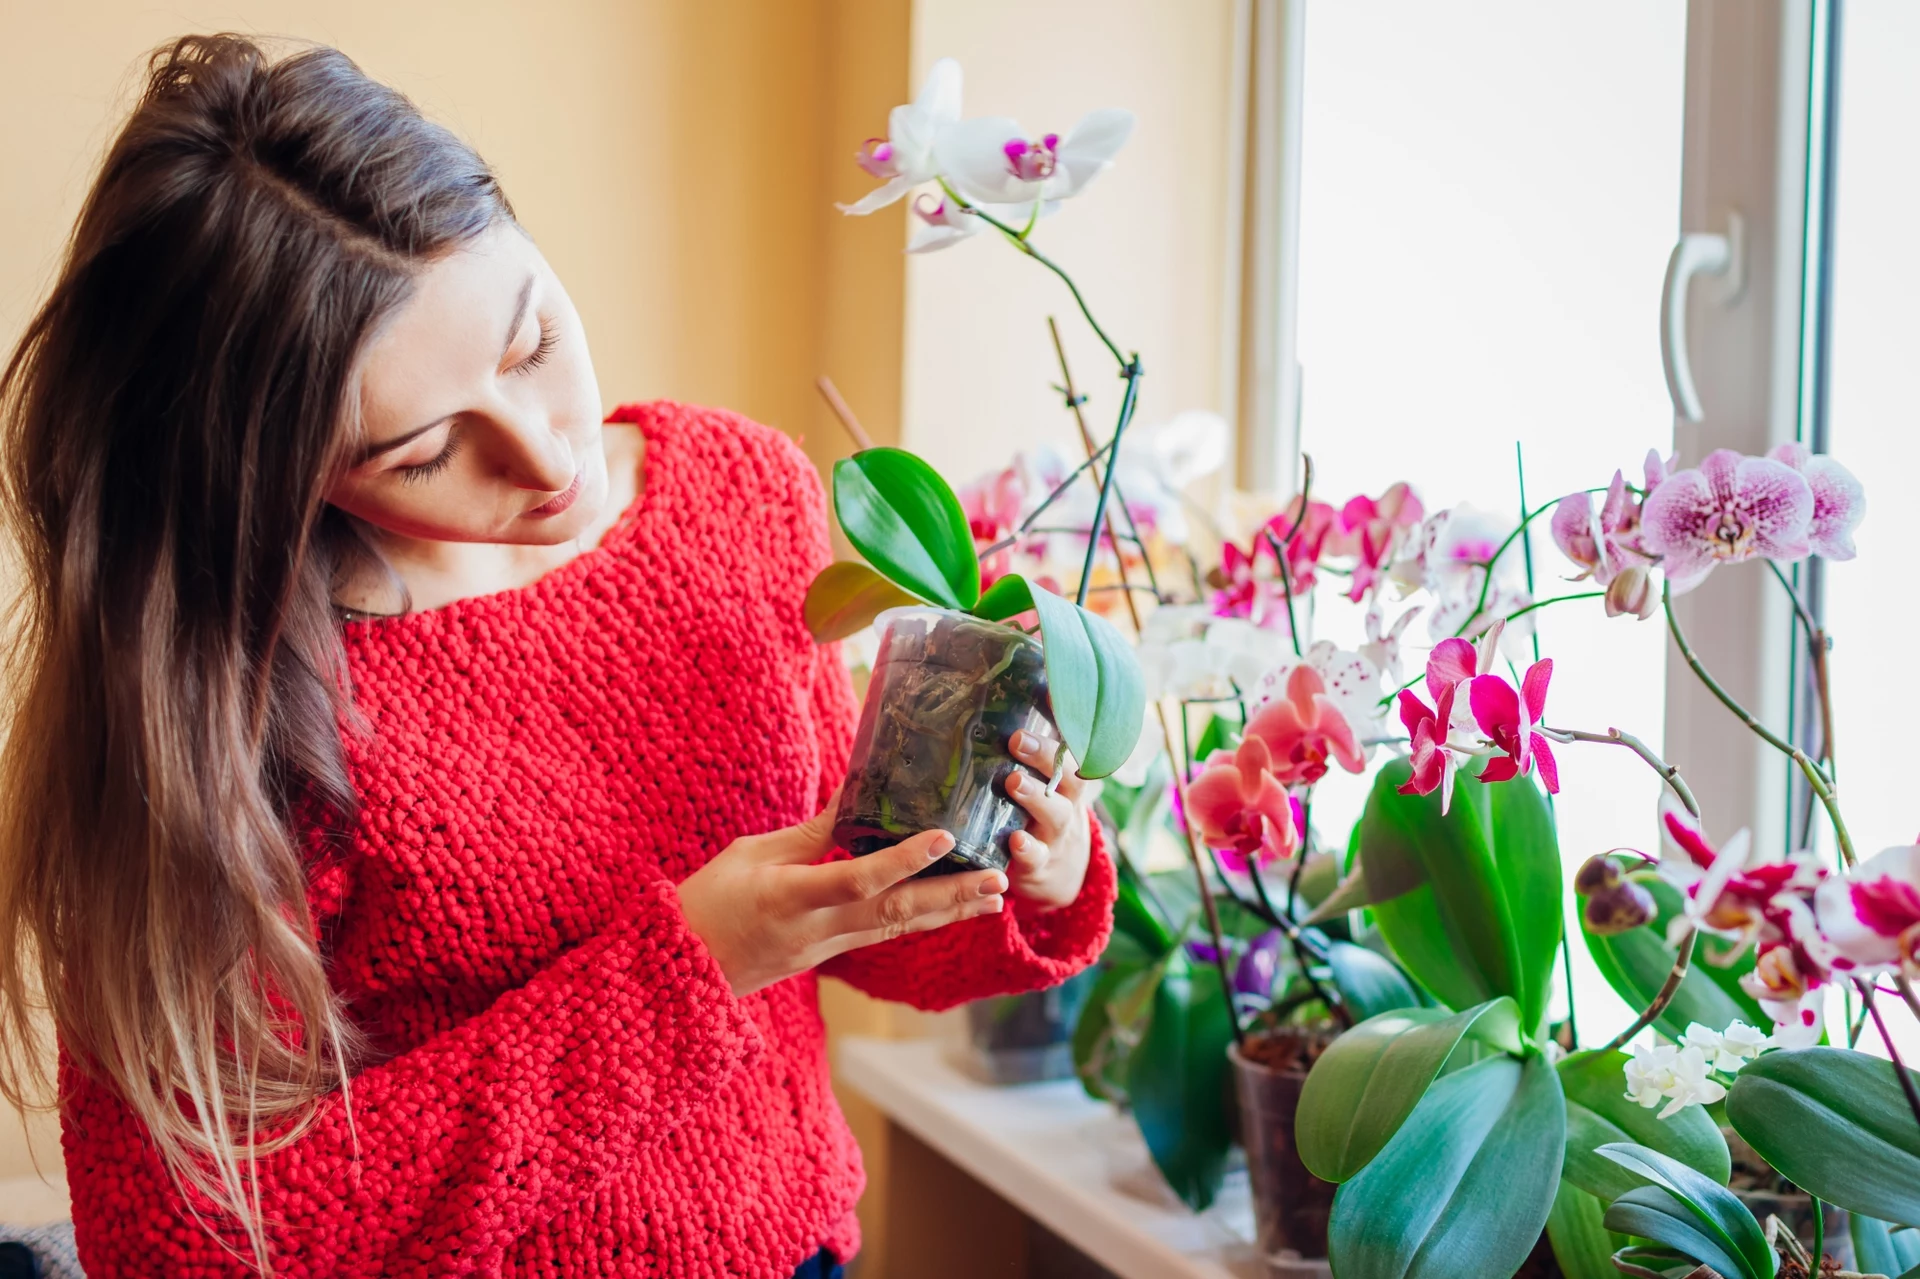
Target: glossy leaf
column 1582, row 1244
column 1714, row 1210
column 1371, row 984
column 1599, row 1114
column 1485, row 920
column 1098, row 1059
column 1373, row 1077
column 1836, row 1123
column 906, row 521
column 1636, row 963
column 845, row 598
column 1133, row 917
column 1878, row 1248
column 1652, row 1212
column 1464, row 1187
column 1177, row 1080
column 1099, row 697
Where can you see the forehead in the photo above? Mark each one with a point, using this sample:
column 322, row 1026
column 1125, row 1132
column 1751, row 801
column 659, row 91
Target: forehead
column 445, row 340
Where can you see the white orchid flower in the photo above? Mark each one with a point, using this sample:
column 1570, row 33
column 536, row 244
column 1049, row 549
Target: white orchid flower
column 1725, row 1051
column 905, row 157
column 1650, row 1073
column 991, row 160
column 942, row 223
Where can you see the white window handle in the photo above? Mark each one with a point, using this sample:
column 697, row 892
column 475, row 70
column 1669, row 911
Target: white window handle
column 1697, row 253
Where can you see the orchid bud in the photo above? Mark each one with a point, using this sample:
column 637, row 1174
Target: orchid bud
column 1631, row 591
column 1598, row 874
column 1620, row 909
column 876, row 157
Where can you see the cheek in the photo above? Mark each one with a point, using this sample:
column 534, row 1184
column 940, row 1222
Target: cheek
column 451, row 507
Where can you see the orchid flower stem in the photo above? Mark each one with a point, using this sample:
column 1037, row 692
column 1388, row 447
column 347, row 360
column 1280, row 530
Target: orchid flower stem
column 1557, row 599
column 1486, row 583
column 1128, row 400
column 1285, row 922
column 1668, row 989
column 1286, row 590
column 1818, row 643
column 1074, row 401
column 1905, row 988
column 1893, row 1054
column 1207, row 904
column 1033, row 517
column 1020, row 241
column 1819, row 1249
column 1614, row 737
column 1816, row 778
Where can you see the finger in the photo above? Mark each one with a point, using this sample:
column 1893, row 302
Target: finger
column 1050, row 813
column 1030, row 856
column 921, row 904
column 860, row 879
column 1039, row 754
column 808, row 842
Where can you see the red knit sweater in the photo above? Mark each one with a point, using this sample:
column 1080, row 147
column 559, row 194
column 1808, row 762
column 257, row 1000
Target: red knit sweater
column 564, row 1084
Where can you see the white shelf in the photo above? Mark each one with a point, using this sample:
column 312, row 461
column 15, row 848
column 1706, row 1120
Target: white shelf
column 1074, row 1165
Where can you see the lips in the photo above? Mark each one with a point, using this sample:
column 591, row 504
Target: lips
column 560, row 502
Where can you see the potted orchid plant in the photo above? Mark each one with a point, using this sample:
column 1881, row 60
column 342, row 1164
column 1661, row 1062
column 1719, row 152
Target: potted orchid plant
column 1404, row 984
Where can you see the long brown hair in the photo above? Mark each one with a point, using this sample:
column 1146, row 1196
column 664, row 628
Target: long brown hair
column 171, row 420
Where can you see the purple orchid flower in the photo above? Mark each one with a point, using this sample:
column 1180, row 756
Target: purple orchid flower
column 1730, row 509
column 1839, row 503
column 1258, row 965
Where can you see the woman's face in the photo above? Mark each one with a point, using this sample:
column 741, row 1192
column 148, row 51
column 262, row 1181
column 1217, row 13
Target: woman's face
column 480, row 413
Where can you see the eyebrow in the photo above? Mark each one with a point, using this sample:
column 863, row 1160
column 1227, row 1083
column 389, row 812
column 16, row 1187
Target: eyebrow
column 520, row 305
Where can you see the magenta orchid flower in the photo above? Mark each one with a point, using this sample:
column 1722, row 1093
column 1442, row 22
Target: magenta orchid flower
column 1240, row 810
column 1306, row 730
column 905, row 157
column 1839, row 503
column 1791, row 990
column 1730, row 509
column 1435, row 764
column 1601, row 542
column 1511, row 722
column 1872, row 915
column 1734, row 891
column 1372, row 530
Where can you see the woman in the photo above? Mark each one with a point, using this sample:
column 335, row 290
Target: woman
column 416, row 796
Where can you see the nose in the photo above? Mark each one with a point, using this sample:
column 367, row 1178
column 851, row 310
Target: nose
column 535, row 456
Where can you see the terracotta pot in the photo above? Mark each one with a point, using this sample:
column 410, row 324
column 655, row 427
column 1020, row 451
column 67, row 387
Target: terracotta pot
column 1290, row 1205
column 947, row 694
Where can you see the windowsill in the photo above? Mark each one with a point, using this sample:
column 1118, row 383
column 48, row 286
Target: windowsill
column 1077, row 1167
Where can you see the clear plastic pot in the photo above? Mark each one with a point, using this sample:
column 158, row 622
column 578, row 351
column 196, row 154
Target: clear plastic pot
column 1291, row 1206
column 1024, row 1039
column 947, row 694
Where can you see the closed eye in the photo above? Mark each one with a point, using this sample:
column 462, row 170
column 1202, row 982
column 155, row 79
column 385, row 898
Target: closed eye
column 433, row 466
column 549, row 339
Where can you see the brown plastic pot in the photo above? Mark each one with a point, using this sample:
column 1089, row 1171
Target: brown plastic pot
column 1291, row 1206
column 948, row 693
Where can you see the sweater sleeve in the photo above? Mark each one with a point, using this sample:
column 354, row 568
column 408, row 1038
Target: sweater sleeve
column 444, row 1155
column 1022, row 948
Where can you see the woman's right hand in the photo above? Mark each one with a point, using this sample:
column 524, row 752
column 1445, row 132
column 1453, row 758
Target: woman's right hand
column 767, row 911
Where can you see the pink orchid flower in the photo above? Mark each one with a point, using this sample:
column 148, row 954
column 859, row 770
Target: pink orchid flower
column 1839, row 503
column 1372, row 530
column 1305, row 730
column 1733, row 891
column 1730, row 509
column 1872, row 915
column 1239, row 809
column 1455, row 661
column 1601, row 542
column 1511, row 722
column 1435, row 764
column 1247, row 591
column 1790, row 989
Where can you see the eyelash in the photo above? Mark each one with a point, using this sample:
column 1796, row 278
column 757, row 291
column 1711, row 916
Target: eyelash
column 549, row 339
column 427, row 470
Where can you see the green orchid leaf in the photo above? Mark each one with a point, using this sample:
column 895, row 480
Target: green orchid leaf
column 1373, row 1077
column 1636, row 963
column 1707, row 1206
column 1652, row 1212
column 1133, row 917
column 1177, row 1080
column 906, row 521
column 1582, row 1244
column 846, row 597
column 1835, row 1123
column 1599, row 1114
column 1878, row 1248
column 1098, row 1059
column 1464, row 1187
column 1370, row 984
column 1099, row 698
column 1484, row 919
column 1220, row 734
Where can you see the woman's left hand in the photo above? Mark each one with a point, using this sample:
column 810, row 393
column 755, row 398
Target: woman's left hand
column 1050, row 855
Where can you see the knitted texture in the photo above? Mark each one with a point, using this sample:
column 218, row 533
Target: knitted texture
column 563, row 1083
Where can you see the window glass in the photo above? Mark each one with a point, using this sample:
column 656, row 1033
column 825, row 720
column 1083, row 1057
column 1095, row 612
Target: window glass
column 1489, row 193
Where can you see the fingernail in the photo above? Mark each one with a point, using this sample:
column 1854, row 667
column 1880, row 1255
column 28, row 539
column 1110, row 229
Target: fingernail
column 993, row 885
column 939, row 846
column 1016, row 781
column 997, row 905
column 1021, row 743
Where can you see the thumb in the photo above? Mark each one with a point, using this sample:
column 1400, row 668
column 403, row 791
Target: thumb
column 809, row 841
